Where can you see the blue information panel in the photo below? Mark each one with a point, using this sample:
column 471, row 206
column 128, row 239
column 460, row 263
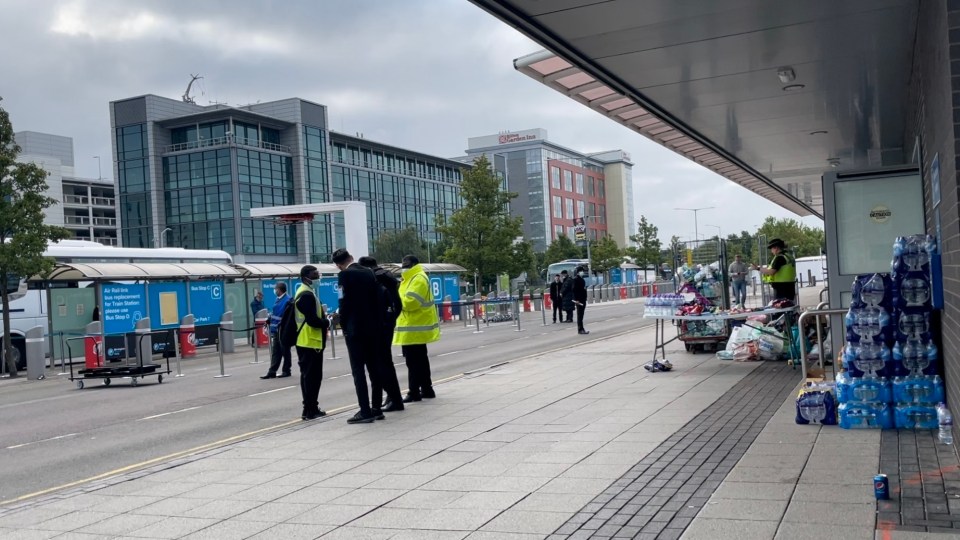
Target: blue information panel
column 168, row 304
column 123, row 305
column 451, row 286
column 328, row 293
column 616, row 276
column 207, row 302
column 436, row 288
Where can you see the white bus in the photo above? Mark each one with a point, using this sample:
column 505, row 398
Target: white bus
column 28, row 305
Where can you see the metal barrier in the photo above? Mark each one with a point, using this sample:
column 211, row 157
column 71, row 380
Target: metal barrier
column 818, row 313
column 220, row 332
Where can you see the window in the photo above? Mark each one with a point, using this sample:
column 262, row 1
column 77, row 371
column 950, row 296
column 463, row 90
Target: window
column 557, row 231
column 569, row 206
column 600, row 190
column 591, row 190
column 593, row 209
column 557, row 207
column 580, row 183
column 555, row 177
column 581, row 210
column 603, row 214
column 568, row 180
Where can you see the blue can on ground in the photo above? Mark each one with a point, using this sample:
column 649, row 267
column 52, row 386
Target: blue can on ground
column 881, row 487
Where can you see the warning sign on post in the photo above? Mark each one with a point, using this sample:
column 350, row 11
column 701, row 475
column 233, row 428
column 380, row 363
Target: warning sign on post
column 579, row 229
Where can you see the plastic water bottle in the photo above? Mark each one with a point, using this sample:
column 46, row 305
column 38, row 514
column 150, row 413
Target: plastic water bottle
column 945, row 420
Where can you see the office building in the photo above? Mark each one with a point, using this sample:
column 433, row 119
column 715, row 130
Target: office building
column 555, row 185
column 188, row 175
column 87, row 206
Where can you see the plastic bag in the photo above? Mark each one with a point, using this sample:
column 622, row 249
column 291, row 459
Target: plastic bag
column 771, row 346
column 747, row 351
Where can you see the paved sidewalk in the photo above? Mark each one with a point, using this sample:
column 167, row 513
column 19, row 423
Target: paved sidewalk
column 526, row 450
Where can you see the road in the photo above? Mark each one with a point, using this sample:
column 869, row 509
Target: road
column 55, row 434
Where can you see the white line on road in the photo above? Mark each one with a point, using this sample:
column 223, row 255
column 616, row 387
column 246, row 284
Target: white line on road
column 449, row 353
column 168, row 413
column 44, row 440
column 272, row 391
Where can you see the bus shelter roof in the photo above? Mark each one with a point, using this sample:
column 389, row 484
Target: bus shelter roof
column 272, row 270
column 139, row 271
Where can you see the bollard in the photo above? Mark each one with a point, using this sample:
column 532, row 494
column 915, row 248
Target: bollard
column 261, row 333
column 256, row 354
column 226, row 322
column 188, row 336
column 220, row 340
column 333, row 340
column 463, row 313
column 63, row 357
column 518, row 315
column 527, row 304
column 36, row 363
column 144, row 350
column 176, row 350
column 476, row 310
column 543, row 307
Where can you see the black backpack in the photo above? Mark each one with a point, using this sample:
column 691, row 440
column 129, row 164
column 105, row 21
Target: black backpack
column 389, row 296
column 288, row 330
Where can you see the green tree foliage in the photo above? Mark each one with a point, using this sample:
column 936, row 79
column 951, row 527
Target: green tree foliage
column 482, row 233
column 391, row 246
column 648, row 250
column 562, row 248
column 804, row 240
column 524, row 260
column 23, row 236
column 744, row 244
column 605, row 254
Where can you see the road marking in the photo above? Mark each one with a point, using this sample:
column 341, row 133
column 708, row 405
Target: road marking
column 168, row 413
column 272, row 391
column 44, row 440
column 449, row 353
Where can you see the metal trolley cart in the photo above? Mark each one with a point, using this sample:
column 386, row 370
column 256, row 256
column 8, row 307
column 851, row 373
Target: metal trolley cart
column 703, row 333
column 128, row 368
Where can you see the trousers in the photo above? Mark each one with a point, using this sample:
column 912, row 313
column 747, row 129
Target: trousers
column 276, row 354
column 418, row 368
column 580, row 309
column 387, row 379
column 311, row 376
column 557, row 309
column 363, row 350
column 739, row 291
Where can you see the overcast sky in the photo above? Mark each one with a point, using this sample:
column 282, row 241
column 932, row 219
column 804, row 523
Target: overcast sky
column 419, row 74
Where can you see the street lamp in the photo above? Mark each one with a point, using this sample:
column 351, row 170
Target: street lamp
column 163, row 234
column 695, row 210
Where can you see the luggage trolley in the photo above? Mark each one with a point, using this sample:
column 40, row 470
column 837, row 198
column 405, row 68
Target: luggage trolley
column 127, row 368
column 711, row 257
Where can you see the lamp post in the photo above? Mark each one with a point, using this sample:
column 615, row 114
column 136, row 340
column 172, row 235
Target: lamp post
column 163, row 234
column 695, row 210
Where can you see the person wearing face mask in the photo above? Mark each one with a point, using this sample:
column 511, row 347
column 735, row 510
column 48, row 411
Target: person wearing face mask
column 278, row 351
column 580, row 299
column 312, row 325
column 417, row 326
column 566, row 295
column 556, row 298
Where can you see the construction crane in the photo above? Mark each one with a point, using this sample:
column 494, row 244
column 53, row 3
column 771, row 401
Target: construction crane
column 186, row 95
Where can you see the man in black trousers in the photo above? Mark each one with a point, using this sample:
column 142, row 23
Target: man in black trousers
column 580, row 299
column 556, row 298
column 389, row 290
column 312, row 327
column 361, row 319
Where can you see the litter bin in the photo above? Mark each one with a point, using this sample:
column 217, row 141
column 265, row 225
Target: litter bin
column 262, row 332
column 36, row 363
column 144, row 343
column 188, row 337
column 93, row 345
column 226, row 323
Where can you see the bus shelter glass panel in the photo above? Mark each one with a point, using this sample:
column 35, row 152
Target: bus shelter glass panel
column 71, row 311
column 238, row 303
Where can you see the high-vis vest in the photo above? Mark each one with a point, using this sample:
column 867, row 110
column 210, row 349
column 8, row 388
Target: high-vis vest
column 787, row 273
column 418, row 323
column 309, row 337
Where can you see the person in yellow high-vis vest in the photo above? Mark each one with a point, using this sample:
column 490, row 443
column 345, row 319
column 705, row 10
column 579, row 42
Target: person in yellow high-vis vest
column 417, row 325
column 782, row 272
column 312, row 324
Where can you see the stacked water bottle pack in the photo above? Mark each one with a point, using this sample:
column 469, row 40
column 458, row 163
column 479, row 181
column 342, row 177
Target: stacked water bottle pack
column 662, row 305
column 917, row 388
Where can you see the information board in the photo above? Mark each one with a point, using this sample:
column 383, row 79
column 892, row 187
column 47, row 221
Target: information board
column 451, row 287
column 327, row 291
column 168, row 304
column 207, row 302
column 436, row 288
column 123, row 305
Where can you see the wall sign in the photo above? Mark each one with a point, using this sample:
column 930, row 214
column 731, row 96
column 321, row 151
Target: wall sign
column 880, row 214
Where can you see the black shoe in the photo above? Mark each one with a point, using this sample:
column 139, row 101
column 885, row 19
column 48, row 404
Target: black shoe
column 429, row 393
column 282, row 375
column 583, row 332
column 359, row 418
column 412, row 397
column 377, row 414
column 269, row 376
column 390, row 406
column 312, row 415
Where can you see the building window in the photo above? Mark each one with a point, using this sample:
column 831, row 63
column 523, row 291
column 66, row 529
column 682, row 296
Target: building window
column 557, row 207
column 591, row 190
column 581, row 210
column 557, row 231
column 580, row 183
column 593, row 209
column 603, row 214
column 568, row 180
column 569, row 206
column 555, row 177
column 601, row 192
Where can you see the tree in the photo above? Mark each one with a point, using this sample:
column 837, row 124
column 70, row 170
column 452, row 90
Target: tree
column 391, row 246
column 481, row 233
column 23, row 236
column 804, row 240
column 648, row 249
column 523, row 260
column 560, row 249
column 605, row 254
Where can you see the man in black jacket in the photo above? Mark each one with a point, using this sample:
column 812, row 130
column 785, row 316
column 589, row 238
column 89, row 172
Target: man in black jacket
column 566, row 294
column 361, row 319
column 556, row 298
column 390, row 290
column 580, row 299
column 310, row 341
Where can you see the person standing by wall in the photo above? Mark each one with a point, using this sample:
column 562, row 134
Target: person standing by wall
column 417, row 326
column 312, row 325
column 361, row 320
column 556, row 298
column 580, row 298
column 390, row 291
column 566, row 295
column 738, row 280
column 278, row 352
column 782, row 272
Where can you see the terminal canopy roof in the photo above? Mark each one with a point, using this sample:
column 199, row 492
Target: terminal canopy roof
column 140, row 271
column 766, row 94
